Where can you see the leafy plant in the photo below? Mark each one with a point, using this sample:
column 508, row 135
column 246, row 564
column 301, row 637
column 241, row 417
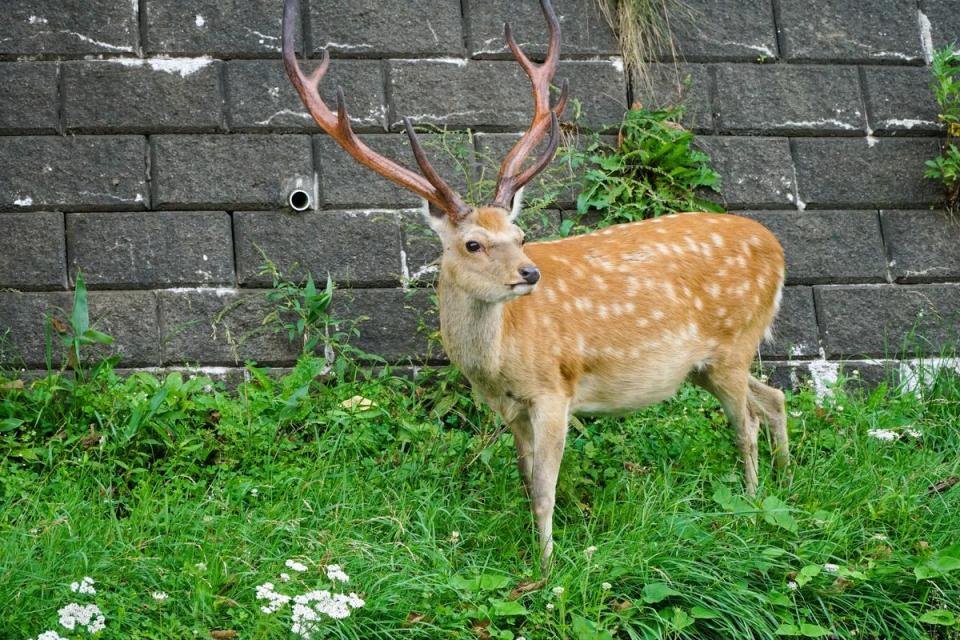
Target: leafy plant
column 652, row 171
column 76, row 332
column 946, row 89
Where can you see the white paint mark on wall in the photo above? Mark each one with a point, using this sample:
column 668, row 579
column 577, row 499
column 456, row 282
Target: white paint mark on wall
column 105, row 45
column 758, row 48
column 460, row 62
column 916, row 375
column 37, row 20
column 285, row 112
column 343, row 45
column 200, row 21
column 183, row 66
column 23, row 201
column 907, row 123
column 926, row 37
column 617, row 63
column 812, row 124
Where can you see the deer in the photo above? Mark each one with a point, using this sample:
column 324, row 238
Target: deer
column 601, row 323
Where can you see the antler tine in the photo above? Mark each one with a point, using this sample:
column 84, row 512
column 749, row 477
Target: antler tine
column 338, row 126
column 427, row 169
column 544, row 159
column 511, row 178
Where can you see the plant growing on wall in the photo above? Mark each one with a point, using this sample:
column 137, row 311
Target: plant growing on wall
column 652, row 171
column 642, row 28
column 946, row 89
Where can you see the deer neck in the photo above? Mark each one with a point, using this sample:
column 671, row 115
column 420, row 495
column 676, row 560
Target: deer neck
column 472, row 333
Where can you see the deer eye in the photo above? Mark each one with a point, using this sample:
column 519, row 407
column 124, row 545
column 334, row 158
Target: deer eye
column 473, row 246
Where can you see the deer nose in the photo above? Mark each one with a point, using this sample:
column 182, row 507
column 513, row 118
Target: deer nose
column 530, row 274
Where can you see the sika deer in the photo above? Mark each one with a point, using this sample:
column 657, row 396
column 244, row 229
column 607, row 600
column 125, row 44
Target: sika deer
column 605, row 322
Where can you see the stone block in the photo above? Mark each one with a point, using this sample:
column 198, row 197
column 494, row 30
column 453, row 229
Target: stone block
column 496, row 94
column 789, row 99
column 421, row 249
column 741, row 30
column 558, row 183
column 795, row 327
column 129, row 317
column 923, row 246
column 370, row 28
column 142, row 96
column 227, row 171
column 32, row 251
column 355, row 248
column 30, row 97
column 850, row 31
column 941, row 20
column 668, row 85
column 755, row 172
column 828, row 246
column 854, row 173
column 221, row 28
column 394, row 324
column 888, row 320
column 222, row 327
column 584, row 31
column 75, row 172
column 261, row 96
column 899, row 100
column 346, row 183
column 72, row 27
column 151, row 249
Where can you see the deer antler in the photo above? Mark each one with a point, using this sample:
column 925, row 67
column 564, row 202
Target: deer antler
column 337, row 126
column 510, row 179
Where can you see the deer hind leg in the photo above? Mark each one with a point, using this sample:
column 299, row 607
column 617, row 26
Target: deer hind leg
column 548, row 420
column 730, row 387
column 770, row 403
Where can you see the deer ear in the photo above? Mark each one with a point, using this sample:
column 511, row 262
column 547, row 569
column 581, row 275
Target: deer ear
column 434, row 216
column 517, row 205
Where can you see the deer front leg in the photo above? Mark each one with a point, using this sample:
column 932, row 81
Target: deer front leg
column 523, row 439
column 548, row 420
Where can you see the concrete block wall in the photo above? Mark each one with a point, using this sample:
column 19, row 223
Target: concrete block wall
column 150, row 145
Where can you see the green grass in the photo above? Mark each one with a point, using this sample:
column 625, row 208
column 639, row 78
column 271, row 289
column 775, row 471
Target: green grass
column 204, row 495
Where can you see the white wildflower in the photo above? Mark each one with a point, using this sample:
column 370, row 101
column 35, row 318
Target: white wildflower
column 878, row 536
column 792, row 585
column 254, row 492
column 84, row 586
column 309, row 606
column 606, row 586
column 590, row 550
column 557, row 591
column 829, row 567
column 159, row 596
column 913, row 433
column 454, row 536
column 202, row 566
column 284, row 577
column 334, row 572
column 88, row 616
column 50, row 635
column 274, row 600
column 549, row 606
column 296, row 566
column 883, row 434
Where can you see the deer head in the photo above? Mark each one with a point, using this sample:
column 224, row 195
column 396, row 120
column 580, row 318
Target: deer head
column 482, row 247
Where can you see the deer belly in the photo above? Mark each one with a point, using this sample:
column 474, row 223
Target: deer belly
column 623, row 392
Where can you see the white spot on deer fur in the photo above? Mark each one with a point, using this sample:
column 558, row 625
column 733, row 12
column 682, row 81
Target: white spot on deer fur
column 600, row 282
column 728, row 323
column 657, row 314
column 36, row 20
column 629, row 307
column 692, row 245
column 669, row 290
column 632, row 285
column 698, row 303
column 184, row 66
column 562, row 285
column 200, row 20
column 662, row 248
column 567, row 307
column 716, row 238
column 742, row 262
column 686, row 291
column 705, row 248
column 713, row 289
column 761, row 281
column 581, row 344
column 642, row 322
column 721, row 311
column 23, row 201
column 583, row 304
column 677, row 249
column 551, row 296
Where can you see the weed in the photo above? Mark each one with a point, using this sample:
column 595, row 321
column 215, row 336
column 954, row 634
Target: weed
column 946, row 88
column 652, row 171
